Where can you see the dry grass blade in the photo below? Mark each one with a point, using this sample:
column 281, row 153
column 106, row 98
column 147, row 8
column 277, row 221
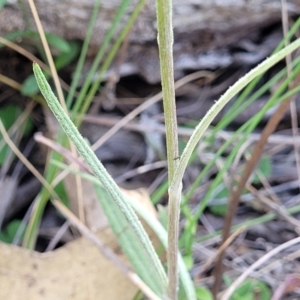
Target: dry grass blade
column 290, row 283
column 60, row 97
column 48, row 53
column 186, row 132
column 17, row 86
column 68, row 155
column 8, row 186
column 25, row 161
column 30, row 56
column 141, row 170
column 10, row 82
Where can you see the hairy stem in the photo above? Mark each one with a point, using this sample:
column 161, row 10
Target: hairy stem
column 165, row 42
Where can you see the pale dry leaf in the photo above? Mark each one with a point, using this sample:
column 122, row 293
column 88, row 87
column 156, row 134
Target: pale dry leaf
column 76, row 271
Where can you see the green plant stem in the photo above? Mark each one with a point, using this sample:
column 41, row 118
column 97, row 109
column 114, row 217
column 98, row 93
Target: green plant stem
column 230, row 93
column 83, row 53
column 99, row 171
column 165, row 44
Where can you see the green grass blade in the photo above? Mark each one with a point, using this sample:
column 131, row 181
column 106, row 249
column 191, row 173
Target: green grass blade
column 129, row 242
column 111, row 55
column 83, row 53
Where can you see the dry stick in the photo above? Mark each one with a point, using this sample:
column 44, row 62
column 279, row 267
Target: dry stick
column 133, row 277
column 258, row 263
column 278, row 262
column 17, row 86
column 251, row 164
column 25, row 161
column 61, row 98
column 48, row 53
column 10, row 82
column 58, row 236
column 67, row 154
column 109, row 121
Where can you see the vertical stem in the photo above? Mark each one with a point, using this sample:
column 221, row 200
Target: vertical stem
column 165, row 43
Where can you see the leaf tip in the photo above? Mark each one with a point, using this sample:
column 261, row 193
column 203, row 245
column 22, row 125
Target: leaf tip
column 35, row 65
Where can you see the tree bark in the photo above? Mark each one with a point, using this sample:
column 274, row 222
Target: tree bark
column 199, row 26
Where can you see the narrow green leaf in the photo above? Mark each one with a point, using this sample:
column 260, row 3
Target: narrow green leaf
column 7, row 235
column 265, row 167
column 66, row 57
column 129, row 241
column 29, row 86
column 252, row 289
column 58, row 42
column 99, row 171
column 216, row 108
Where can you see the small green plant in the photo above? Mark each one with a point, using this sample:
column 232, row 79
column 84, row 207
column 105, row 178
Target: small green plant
column 8, row 234
column 250, row 289
column 175, row 187
column 8, row 116
column 30, row 87
column 164, row 287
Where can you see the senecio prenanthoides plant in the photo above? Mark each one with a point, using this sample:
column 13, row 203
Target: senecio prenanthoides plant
column 176, row 166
